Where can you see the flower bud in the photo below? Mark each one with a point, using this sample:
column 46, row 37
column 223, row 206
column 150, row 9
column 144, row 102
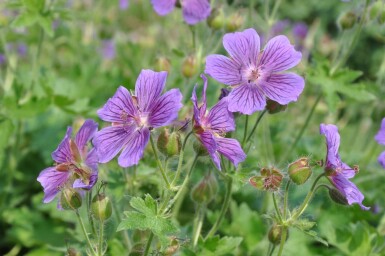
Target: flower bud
column 101, row 207
column 73, row 252
column 205, row 190
column 70, row 199
column 172, row 248
column 300, row 171
column 275, row 234
column 375, row 9
column 189, row 66
column 234, row 22
column 169, row 144
column 162, row 64
column 347, row 20
column 274, row 107
column 257, row 182
column 199, row 149
column 337, row 196
column 216, row 20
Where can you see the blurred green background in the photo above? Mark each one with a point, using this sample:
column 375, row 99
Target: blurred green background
column 61, row 60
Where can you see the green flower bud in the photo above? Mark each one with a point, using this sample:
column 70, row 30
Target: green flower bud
column 347, row 20
column 101, row 207
column 199, row 149
column 169, row 144
column 300, row 171
column 274, row 107
column 234, row 22
column 162, row 64
column 205, row 190
column 70, row 199
column 275, row 234
column 216, row 20
column 73, row 252
column 337, row 196
column 172, row 248
column 375, row 9
column 189, row 66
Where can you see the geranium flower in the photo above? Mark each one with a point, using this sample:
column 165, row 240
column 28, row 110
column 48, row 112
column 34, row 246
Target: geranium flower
column 133, row 117
column 256, row 76
column 211, row 126
column 337, row 171
column 380, row 138
column 194, row 11
column 76, row 166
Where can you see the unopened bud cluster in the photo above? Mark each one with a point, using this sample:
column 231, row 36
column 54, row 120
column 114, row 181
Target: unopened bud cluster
column 270, row 179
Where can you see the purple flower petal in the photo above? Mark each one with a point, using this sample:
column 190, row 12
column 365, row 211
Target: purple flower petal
column 195, row 11
column 223, row 69
column 92, row 159
column 380, row 136
column 119, row 108
column 243, row 47
column 92, row 181
column 279, row 55
column 333, row 143
column 220, row 118
column 200, row 109
column 63, row 152
column 110, row 140
column 163, row 7
column 246, row 99
column 231, row 149
column 148, row 87
column 349, row 190
column 381, row 159
column 135, row 147
column 283, row 88
column 85, row 133
column 52, row 180
column 209, row 142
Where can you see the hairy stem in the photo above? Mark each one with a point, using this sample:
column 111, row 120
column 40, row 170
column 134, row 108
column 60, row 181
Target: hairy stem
column 85, row 232
column 162, row 171
column 283, row 240
column 256, row 124
column 148, row 245
column 180, row 161
column 276, row 208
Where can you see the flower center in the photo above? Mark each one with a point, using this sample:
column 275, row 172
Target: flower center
column 252, row 74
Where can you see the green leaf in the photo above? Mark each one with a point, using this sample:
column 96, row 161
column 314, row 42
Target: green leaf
column 304, row 224
column 34, row 5
column 45, row 23
column 25, row 19
column 315, row 236
column 219, row 246
column 178, row 52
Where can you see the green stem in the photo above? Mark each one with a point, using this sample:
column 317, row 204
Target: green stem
column 159, row 163
column 272, row 250
column 84, row 231
column 225, row 206
column 283, row 240
column 309, row 196
column 90, row 218
column 256, row 124
column 180, row 161
column 100, row 248
column 245, row 131
column 199, row 224
column 285, row 199
column 275, row 9
column 148, row 246
column 277, row 209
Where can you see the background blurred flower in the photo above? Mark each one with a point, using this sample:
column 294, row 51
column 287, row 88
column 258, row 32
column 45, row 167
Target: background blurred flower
column 380, row 138
column 108, row 50
column 123, row 4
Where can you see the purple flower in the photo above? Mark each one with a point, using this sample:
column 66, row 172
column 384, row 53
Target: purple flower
column 194, row 11
column 75, row 165
column 3, row 59
column 123, row 4
column 108, row 49
column 210, row 128
column 133, row 117
column 300, row 30
column 337, row 171
column 380, row 138
column 254, row 76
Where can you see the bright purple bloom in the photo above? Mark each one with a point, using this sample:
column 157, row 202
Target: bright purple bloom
column 123, row 4
column 337, row 171
column 380, row 138
column 194, row 11
column 256, row 76
column 75, row 165
column 211, row 126
column 133, row 117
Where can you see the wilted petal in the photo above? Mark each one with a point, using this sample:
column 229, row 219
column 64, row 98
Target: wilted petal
column 243, row 46
column 380, row 136
column 195, row 11
column 119, row 107
column 332, row 143
column 87, row 186
column 223, row 69
column 165, row 109
column 163, row 7
column 283, row 88
column 63, row 152
column 349, row 190
column 279, row 55
column 136, row 144
column 110, row 140
column 148, row 87
column 381, row 159
column 246, row 99
column 231, row 149
column 85, row 133
column 52, row 180
column 220, row 118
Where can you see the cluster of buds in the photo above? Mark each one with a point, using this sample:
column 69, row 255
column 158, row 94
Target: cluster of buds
column 217, row 21
column 270, row 179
